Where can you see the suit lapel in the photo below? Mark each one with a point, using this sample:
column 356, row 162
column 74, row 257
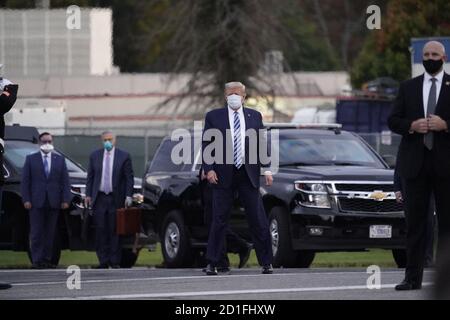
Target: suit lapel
column 54, row 159
column 115, row 165
column 41, row 163
column 445, row 87
column 419, row 90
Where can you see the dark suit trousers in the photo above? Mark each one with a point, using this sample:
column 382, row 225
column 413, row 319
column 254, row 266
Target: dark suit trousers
column 107, row 241
column 234, row 243
column 256, row 217
column 418, row 193
column 42, row 232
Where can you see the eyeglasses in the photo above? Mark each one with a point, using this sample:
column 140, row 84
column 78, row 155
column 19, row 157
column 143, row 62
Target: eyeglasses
column 46, row 141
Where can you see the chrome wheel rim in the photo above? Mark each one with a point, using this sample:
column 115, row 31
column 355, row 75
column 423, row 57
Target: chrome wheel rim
column 172, row 240
column 274, row 235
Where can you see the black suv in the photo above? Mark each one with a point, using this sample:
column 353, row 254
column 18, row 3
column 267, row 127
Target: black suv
column 332, row 192
column 76, row 230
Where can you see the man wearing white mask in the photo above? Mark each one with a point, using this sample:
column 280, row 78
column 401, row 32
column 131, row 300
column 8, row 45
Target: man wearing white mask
column 237, row 172
column 45, row 191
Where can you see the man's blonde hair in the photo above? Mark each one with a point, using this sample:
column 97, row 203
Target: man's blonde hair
column 234, row 84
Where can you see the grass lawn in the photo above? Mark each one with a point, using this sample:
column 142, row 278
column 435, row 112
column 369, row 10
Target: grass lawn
column 382, row 258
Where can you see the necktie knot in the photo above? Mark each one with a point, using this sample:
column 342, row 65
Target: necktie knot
column 433, row 80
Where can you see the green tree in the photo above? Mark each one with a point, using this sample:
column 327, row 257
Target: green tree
column 386, row 51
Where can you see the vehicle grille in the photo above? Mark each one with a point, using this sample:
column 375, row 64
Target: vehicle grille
column 369, row 206
column 364, row 187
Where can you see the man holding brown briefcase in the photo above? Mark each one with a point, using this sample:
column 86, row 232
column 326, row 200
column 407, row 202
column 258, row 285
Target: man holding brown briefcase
column 109, row 187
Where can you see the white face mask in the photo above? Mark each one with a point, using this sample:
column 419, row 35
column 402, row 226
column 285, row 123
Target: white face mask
column 46, row 148
column 234, row 101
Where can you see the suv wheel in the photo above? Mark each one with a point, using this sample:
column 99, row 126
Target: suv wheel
column 175, row 242
column 399, row 257
column 283, row 255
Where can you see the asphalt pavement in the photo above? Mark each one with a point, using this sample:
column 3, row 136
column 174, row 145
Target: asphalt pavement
column 186, row 284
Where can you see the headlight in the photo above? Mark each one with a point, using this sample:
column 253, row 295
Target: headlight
column 313, row 195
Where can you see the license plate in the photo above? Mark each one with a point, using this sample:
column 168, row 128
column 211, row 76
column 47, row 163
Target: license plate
column 380, row 232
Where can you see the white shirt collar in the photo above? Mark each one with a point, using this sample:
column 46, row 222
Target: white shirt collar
column 438, row 77
column 110, row 152
column 43, row 154
column 240, row 110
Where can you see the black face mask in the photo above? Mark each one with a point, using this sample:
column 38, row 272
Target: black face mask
column 432, row 66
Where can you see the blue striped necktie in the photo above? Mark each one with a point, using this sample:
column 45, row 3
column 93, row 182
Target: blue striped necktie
column 46, row 169
column 237, row 141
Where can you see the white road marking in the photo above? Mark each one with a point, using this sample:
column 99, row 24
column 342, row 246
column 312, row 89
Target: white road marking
column 202, row 277
column 224, row 292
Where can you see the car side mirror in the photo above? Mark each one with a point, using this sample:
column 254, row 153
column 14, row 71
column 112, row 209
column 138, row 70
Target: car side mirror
column 390, row 160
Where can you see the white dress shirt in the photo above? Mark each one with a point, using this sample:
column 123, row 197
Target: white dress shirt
column 49, row 160
column 111, row 162
column 427, row 86
column 240, row 111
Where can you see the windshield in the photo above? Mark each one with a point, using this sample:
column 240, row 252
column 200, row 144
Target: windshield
column 16, row 152
column 326, row 150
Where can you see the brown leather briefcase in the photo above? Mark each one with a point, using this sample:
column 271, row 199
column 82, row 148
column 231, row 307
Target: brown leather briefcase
column 128, row 221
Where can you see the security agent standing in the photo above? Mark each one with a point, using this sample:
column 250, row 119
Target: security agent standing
column 45, row 191
column 8, row 97
column 240, row 176
column 421, row 114
column 109, row 187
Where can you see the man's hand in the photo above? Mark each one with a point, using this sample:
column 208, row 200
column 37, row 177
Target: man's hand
column 420, row 126
column 6, row 93
column 27, row 205
column 88, row 202
column 269, row 179
column 212, row 177
column 399, row 197
column 128, row 202
column 64, row 205
column 435, row 123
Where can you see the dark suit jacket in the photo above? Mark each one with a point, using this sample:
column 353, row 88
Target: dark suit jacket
column 36, row 186
column 218, row 119
column 122, row 176
column 408, row 107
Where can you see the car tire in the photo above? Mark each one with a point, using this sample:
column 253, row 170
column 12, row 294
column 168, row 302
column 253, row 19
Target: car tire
column 283, row 254
column 175, row 241
column 399, row 257
column 304, row 258
column 128, row 258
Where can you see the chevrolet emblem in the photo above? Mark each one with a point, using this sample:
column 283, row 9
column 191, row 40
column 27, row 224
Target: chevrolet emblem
column 378, row 195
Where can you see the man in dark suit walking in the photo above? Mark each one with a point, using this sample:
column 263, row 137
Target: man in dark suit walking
column 421, row 114
column 109, row 187
column 45, row 191
column 233, row 242
column 232, row 169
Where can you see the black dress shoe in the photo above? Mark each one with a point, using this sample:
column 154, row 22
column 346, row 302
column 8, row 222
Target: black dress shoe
column 102, row 266
column 211, row 271
column 244, row 255
column 408, row 285
column 223, row 269
column 49, row 265
column 267, row 269
column 115, row 266
column 4, row 286
column 38, row 266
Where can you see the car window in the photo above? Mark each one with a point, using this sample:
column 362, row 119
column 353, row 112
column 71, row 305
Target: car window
column 17, row 151
column 162, row 160
column 326, row 150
